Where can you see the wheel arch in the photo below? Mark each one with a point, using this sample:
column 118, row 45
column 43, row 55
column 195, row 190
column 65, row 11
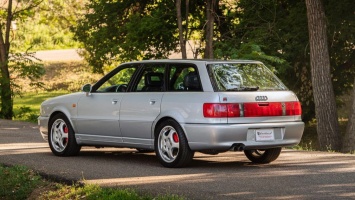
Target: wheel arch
column 162, row 119
column 159, row 121
column 67, row 115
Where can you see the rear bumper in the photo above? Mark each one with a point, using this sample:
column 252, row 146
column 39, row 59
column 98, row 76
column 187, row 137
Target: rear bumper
column 223, row 137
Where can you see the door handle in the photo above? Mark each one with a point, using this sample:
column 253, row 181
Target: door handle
column 114, row 101
column 152, row 101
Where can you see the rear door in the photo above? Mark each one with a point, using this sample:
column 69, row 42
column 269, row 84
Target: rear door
column 141, row 106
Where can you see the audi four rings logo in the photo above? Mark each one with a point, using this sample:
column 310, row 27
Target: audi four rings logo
column 261, row 98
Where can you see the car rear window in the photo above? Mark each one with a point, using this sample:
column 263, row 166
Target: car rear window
column 244, row 77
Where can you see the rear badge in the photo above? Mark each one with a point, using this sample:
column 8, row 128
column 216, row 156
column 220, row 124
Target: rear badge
column 261, row 98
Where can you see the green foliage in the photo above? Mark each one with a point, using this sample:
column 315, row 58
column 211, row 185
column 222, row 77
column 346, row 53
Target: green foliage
column 26, row 106
column 272, row 31
column 95, row 192
column 280, row 28
column 118, row 31
column 47, row 26
column 17, row 182
column 27, row 114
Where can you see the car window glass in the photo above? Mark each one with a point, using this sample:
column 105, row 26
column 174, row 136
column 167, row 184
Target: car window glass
column 118, row 82
column 245, row 77
column 151, row 79
column 184, row 77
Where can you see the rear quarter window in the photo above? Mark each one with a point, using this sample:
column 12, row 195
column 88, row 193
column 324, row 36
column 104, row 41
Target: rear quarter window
column 184, row 77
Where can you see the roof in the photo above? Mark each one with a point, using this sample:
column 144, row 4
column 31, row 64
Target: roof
column 206, row 61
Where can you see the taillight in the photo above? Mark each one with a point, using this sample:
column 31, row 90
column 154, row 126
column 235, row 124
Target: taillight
column 233, row 110
column 261, row 109
column 214, row 110
column 217, row 110
column 293, row 108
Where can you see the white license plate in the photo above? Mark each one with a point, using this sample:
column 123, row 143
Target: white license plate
column 264, row 135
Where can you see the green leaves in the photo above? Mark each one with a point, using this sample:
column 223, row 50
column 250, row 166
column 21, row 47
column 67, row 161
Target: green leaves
column 116, row 32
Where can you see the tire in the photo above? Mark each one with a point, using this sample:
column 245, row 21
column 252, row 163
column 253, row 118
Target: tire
column 144, row 150
column 263, row 156
column 171, row 146
column 61, row 136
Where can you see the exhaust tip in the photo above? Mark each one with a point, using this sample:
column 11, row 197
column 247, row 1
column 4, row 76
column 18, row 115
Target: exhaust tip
column 238, row 147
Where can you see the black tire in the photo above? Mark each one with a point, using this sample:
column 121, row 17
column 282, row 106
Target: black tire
column 144, row 150
column 263, row 156
column 171, row 139
column 61, row 136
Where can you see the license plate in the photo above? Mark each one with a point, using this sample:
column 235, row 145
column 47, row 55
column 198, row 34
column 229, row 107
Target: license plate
column 264, row 135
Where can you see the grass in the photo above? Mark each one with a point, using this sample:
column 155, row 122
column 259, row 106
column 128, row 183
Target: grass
column 19, row 182
column 27, row 106
column 60, row 78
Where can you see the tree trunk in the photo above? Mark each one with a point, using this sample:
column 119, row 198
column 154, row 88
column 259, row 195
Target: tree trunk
column 327, row 118
column 6, row 96
column 210, row 8
column 181, row 31
column 349, row 138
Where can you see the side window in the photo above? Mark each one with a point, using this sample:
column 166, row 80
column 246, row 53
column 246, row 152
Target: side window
column 151, row 79
column 119, row 81
column 184, row 77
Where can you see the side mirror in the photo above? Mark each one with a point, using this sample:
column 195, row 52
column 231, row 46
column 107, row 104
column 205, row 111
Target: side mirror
column 87, row 88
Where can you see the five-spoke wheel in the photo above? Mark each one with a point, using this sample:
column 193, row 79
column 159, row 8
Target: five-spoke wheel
column 61, row 137
column 171, row 145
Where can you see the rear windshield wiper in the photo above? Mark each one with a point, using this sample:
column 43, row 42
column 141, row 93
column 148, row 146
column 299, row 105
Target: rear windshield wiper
column 244, row 88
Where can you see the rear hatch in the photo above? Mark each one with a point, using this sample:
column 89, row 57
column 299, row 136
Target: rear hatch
column 250, row 93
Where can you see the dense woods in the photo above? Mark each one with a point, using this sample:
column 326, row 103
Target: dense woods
column 308, row 44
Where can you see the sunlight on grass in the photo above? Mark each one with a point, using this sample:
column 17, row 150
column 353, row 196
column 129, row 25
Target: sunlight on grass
column 19, row 182
column 26, row 106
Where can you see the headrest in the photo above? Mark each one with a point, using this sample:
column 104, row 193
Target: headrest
column 154, row 79
column 191, row 81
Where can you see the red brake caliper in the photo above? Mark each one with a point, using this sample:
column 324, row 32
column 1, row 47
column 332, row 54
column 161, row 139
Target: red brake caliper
column 65, row 130
column 175, row 137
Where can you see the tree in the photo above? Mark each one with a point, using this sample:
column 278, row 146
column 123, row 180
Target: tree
column 279, row 28
column 325, row 106
column 210, row 18
column 349, row 137
column 181, row 31
column 8, row 14
column 116, row 31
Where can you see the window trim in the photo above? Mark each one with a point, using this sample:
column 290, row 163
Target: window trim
column 171, row 65
column 99, row 83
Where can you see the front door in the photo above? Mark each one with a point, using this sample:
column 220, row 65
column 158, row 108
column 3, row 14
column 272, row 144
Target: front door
column 98, row 116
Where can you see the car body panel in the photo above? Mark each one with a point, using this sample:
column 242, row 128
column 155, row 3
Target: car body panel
column 103, row 124
column 224, row 136
column 138, row 112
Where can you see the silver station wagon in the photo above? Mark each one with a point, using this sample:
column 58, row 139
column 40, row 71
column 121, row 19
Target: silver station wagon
column 177, row 108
